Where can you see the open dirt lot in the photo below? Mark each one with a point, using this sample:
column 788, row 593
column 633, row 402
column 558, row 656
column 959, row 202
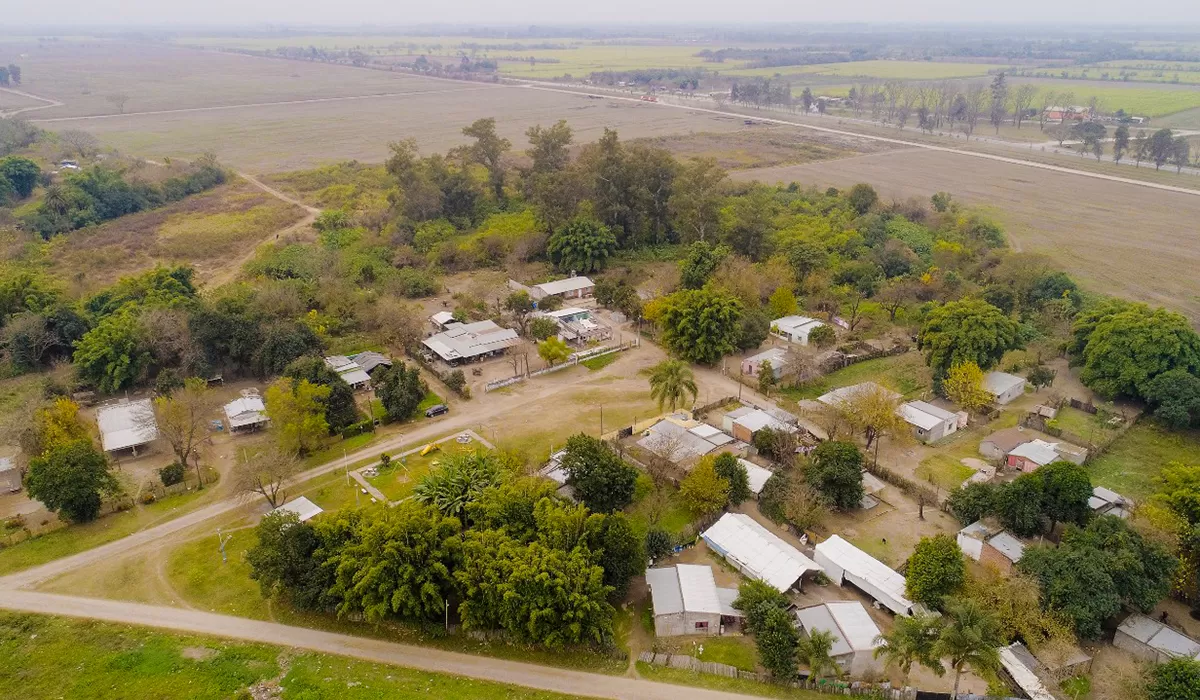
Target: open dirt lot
column 1117, row 238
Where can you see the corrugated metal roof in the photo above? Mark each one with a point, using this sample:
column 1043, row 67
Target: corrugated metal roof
column 849, row 621
column 683, row 588
column 466, row 340
column 1023, row 673
column 1012, row 548
column 757, row 475
column 996, row 383
column 126, row 424
column 1037, row 451
column 1160, row 637
column 302, row 507
column 563, row 286
column 757, row 551
column 862, row 565
column 248, row 410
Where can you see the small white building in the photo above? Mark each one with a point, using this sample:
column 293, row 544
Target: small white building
column 1003, row 387
column 246, row 414
column 756, row 475
column 126, row 425
column 1107, row 502
column 929, row 423
column 686, row 600
column 1021, row 667
column 794, row 329
column 442, row 319
column 757, row 552
column 776, row 356
column 304, row 509
column 1151, row 640
column 570, row 288
column 10, row 476
column 843, row 562
column 853, row 631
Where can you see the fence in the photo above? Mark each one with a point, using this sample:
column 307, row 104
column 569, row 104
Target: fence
column 854, row 689
column 575, row 359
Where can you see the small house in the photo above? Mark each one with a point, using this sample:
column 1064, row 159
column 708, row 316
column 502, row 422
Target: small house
column 1003, row 387
column 854, row 635
column 570, row 288
column 752, row 365
column 756, row 475
column 844, row 563
column 577, row 325
column 442, row 319
column 757, row 552
column 1002, row 551
column 1151, row 640
column 10, row 476
column 794, row 329
column 1107, row 502
column 751, row 422
column 470, row 342
column 304, row 509
column 1031, row 455
column 929, row 423
column 1022, row 669
column 686, row 600
column 997, row 445
column 371, row 361
column 683, row 441
column 349, row 370
column 126, row 425
column 246, row 414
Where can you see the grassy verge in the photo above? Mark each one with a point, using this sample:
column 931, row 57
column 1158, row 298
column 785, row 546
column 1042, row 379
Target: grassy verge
column 674, row 518
column 663, row 674
column 1131, row 463
column 58, row 658
column 596, row 364
column 732, row 651
column 905, row 373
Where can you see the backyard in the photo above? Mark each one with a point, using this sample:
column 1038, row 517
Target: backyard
column 904, row 373
column 1131, row 463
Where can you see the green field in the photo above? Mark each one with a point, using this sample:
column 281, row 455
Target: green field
column 585, row 60
column 1142, row 101
column 1130, row 465
column 883, row 70
column 49, row 658
column 905, row 373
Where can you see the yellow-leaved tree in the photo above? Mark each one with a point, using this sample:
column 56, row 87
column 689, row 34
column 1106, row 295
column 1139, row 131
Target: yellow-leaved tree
column 964, row 386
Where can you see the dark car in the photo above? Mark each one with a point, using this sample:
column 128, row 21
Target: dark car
column 436, row 410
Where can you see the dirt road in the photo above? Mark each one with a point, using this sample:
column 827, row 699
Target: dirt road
column 480, row 667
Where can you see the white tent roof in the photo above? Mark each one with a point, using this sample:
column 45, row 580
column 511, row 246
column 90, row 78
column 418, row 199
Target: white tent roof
column 126, row 424
column 996, row 383
column 867, row 569
column 925, row 415
column 248, row 410
column 303, row 508
column 838, row 396
column 757, row 551
column 1014, row 662
column 758, row 475
column 851, row 625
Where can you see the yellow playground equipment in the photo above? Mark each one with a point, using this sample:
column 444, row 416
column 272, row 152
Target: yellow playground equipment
column 431, row 447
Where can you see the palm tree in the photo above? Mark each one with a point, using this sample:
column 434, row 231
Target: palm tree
column 911, row 641
column 670, row 382
column 970, row 638
column 816, row 651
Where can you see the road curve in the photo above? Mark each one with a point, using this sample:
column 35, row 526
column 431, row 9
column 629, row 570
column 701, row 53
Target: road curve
column 373, row 650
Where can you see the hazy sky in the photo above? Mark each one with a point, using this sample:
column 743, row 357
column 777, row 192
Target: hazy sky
column 523, row 12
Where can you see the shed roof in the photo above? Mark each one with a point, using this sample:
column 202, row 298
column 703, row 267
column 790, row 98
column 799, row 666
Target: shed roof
column 126, row 424
column 369, row 360
column 248, row 410
column 1021, row 665
column 757, row 475
column 303, row 508
column 1012, row 548
column 996, row 383
column 776, row 356
column 792, row 324
column 1159, row 637
column 442, row 317
column 862, row 565
column 683, row 588
column 925, row 415
column 1008, row 439
column 851, row 625
column 757, row 551
column 683, row 443
column 569, row 284
column 466, row 340
column 1037, row 451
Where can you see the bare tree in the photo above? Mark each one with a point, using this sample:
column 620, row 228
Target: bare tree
column 118, row 100
column 1048, row 101
column 83, row 143
column 892, row 91
column 946, row 92
column 182, row 419
column 27, row 339
column 907, row 97
column 976, row 99
column 265, row 473
column 170, row 339
column 1022, row 98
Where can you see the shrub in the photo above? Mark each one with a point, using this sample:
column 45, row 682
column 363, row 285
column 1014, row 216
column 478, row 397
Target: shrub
column 172, row 473
column 658, row 544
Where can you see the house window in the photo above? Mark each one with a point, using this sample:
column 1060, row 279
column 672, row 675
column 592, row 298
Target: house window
column 702, row 625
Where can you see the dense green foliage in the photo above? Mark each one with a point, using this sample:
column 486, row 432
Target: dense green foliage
column 70, row 479
column 1122, row 347
column 602, row 480
column 582, row 246
column 1177, row 679
column 734, row 473
column 400, row 389
column 340, row 408
column 1031, row 503
column 935, row 571
column 964, row 331
column 835, row 470
column 699, row 325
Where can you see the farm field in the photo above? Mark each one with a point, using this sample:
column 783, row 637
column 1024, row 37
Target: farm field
column 764, row 146
column 1151, row 232
column 1156, row 101
column 898, row 70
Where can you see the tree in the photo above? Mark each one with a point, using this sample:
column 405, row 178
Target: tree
column 520, row 305
column 583, row 245
column 672, row 382
column 836, row 471
column 183, row 420
column 964, row 386
column 1019, row 504
column 970, row 638
column 862, row 197
column 1120, row 143
column 21, row 173
column 266, row 473
column 752, row 330
column 703, row 490
column 297, row 413
column 972, row 502
column 70, row 479
column 766, row 377
column 1180, row 151
column 340, row 408
column 874, row 411
column 778, row 643
column 1175, row 397
column 542, row 328
column 288, row 559
column 488, row 150
column 734, row 473
column 118, row 100
column 549, row 147
column 658, row 543
column 1040, row 377
column 822, row 336
column 601, row 479
column 700, row 325
column 912, row 640
column 699, row 262
column 82, row 142
column 1015, row 600
column 113, row 355
column 935, row 571
column 1066, row 489
column 1125, row 350
column 782, row 302
column 695, row 200
column 281, row 344
column 1022, row 98
column 816, row 650
column 401, row 390
column 53, row 425
column 554, row 350
column 805, row 258
column 1177, row 679
column 969, row 330
column 28, row 338
column 755, row 599
column 999, row 104
column 1076, row 584
column 623, row 553
column 806, row 100
column 459, row 480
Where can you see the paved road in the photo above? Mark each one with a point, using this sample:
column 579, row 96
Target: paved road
column 479, row 667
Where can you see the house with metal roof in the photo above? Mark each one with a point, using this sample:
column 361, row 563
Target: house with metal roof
column 686, row 600
column 1108, row 502
column 126, row 425
column 747, row 424
column 442, row 319
column 843, row 562
column 1021, row 667
column 1031, row 455
column 929, row 423
column 854, row 635
column 997, row 445
column 246, row 413
column 683, row 441
column 838, row 398
column 576, row 325
column 1003, row 387
column 571, row 288
column 757, row 552
column 778, row 358
column 370, row 361
column 1149, row 639
column 794, row 329
column 349, row 370
column 470, row 342
column 756, row 475
column 304, row 509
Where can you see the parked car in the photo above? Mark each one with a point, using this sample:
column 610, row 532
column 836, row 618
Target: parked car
column 436, row 410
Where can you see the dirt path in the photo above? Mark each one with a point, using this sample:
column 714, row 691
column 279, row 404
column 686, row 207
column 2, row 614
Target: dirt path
column 49, row 102
column 435, row 660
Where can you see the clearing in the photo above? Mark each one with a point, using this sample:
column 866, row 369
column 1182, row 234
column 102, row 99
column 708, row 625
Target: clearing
column 1131, row 463
column 1085, row 226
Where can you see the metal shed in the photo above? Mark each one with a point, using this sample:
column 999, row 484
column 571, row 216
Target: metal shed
column 843, row 562
column 757, row 552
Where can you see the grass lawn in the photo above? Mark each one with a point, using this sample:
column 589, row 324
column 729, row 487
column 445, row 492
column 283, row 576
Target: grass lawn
column 70, row 659
column 1131, row 463
column 1085, row 425
column 678, row 676
column 905, row 373
column 598, row 363
column 944, row 470
column 733, row 651
column 397, row 480
column 676, row 517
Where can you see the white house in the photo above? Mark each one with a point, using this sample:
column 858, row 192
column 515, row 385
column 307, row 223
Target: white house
column 304, row 509
column 794, row 329
column 442, row 319
column 576, row 325
column 929, row 423
column 756, row 475
column 776, row 356
column 1003, row 387
column 570, row 288
column 126, row 425
column 757, row 552
column 843, row 562
column 686, row 600
column 467, row 342
column 247, row 413
column 853, row 631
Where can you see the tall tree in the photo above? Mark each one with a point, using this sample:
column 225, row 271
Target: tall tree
column 297, row 413
column 936, row 570
column 266, row 473
column 734, row 473
column 964, row 386
column 969, row 330
column 816, row 650
column 1066, row 489
column 1120, row 143
column 400, row 389
column 488, row 150
column 699, row 325
column 553, row 350
column 340, row 408
column 778, row 644
column 912, row 640
column 695, row 199
column 549, row 147
column 999, row 104
column 459, row 481
column 582, row 246
column 836, row 471
column 699, row 262
column 1161, row 146
column 671, row 382
column 183, row 420
column 1022, row 98
column 70, row 479
column 969, row 638
column 703, row 490
column 601, row 479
